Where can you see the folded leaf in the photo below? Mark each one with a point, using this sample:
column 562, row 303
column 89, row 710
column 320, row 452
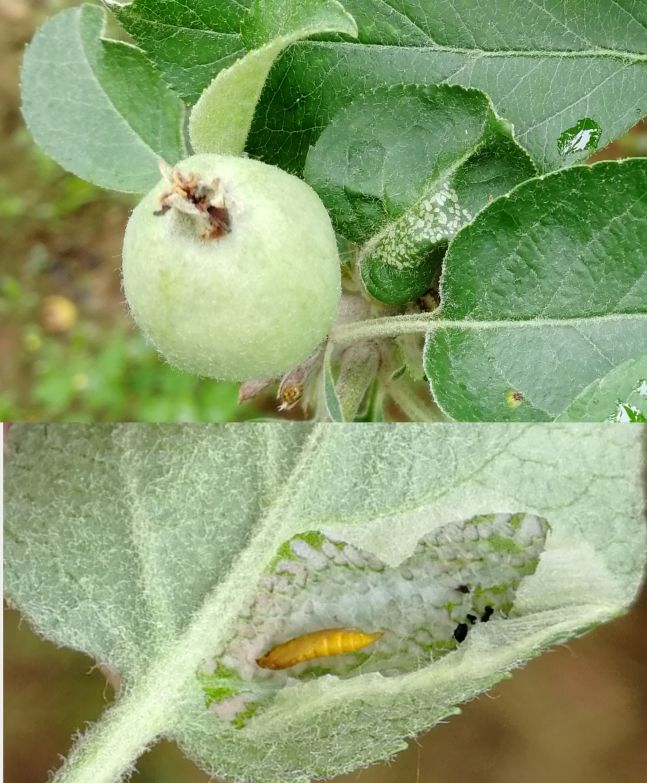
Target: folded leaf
column 221, row 119
column 546, row 67
column 402, row 169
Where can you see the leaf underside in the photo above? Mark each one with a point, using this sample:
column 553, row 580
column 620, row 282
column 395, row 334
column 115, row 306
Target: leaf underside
column 97, row 106
column 147, row 547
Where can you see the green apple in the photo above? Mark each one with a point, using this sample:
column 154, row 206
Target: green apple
column 231, row 269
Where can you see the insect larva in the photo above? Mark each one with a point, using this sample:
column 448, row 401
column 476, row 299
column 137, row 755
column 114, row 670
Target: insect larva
column 329, row 641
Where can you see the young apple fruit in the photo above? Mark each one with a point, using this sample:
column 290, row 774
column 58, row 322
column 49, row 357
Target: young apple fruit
column 231, row 269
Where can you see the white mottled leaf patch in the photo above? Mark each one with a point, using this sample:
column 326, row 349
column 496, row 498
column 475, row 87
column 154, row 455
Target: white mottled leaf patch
column 435, row 218
column 145, row 547
column 403, row 168
column 459, row 576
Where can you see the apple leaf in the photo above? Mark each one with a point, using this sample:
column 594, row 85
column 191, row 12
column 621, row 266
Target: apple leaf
column 179, row 556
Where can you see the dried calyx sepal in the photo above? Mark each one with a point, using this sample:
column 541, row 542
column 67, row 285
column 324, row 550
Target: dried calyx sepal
column 292, row 386
column 193, row 196
column 300, row 385
column 295, row 387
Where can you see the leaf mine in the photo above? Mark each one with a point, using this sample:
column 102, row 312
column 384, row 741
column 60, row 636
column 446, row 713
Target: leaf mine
column 458, row 577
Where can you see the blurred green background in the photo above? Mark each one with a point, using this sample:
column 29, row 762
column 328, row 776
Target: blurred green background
column 577, row 714
column 68, row 348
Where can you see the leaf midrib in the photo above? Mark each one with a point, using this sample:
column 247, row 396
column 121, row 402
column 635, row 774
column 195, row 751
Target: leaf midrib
column 632, row 57
column 394, row 326
column 193, row 30
column 476, row 324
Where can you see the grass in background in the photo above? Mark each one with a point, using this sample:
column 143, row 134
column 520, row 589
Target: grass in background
column 69, row 349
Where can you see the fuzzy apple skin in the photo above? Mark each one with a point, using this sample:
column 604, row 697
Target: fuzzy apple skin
column 250, row 304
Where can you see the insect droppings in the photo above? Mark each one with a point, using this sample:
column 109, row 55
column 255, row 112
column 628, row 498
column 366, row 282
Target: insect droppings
column 489, row 611
column 318, row 644
column 460, row 632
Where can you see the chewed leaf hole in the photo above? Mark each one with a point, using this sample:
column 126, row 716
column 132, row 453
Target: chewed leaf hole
column 325, row 607
column 626, row 413
column 583, row 136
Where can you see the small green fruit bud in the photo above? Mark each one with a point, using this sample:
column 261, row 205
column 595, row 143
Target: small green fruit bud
column 230, row 267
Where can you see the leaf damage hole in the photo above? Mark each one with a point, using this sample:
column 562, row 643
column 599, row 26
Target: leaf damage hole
column 326, row 607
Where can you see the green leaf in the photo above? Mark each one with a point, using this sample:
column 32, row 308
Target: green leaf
column 621, row 395
column 402, row 169
column 545, row 65
column 596, row 52
column 157, row 550
column 97, row 106
column 189, row 42
column 542, row 294
column 221, row 119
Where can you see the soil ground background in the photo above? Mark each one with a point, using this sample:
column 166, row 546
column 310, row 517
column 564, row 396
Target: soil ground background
column 68, row 348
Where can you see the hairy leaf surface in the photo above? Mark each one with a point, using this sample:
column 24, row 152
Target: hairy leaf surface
column 222, row 117
column 189, row 42
column 148, row 547
column 545, row 292
column 620, row 395
column 545, row 65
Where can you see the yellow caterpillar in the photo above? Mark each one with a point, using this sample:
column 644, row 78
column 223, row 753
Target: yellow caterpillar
column 329, row 641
